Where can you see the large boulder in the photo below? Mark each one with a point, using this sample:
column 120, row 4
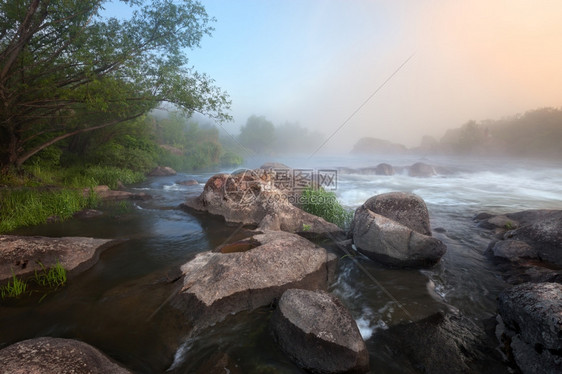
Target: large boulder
column 318, row 333
column 394, row 229
column 250, row 273
column 532, row 315
column 407, row 209
column 55, row 355
column 23, row 255
column 251, row 197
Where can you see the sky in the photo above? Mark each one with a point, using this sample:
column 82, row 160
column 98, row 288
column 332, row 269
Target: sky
column 445, row 62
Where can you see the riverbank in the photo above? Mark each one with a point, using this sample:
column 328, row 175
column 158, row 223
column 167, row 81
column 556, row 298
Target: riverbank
column 39, row 195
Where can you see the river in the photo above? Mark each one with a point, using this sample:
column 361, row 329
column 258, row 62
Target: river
column 120, row 304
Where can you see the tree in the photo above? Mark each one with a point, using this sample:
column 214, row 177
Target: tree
column 258, row 134
column 66, row 70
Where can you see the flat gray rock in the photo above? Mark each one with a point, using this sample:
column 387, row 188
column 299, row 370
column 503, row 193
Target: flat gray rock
column 55, row 355
column 22, row 255
column 250, row 274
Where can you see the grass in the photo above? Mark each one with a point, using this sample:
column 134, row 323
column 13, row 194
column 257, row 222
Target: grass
column 53, row 277
column 26, row 207
column 14, row 288
column 27, row 201
column 325, row 204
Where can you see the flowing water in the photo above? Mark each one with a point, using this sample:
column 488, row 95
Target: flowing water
column 119, row 305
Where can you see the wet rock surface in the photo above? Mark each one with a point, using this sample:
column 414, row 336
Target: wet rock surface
column 318, row 333
column 528, row 244
column 54, row 355
column 440, row 343
column 23, row 255
column 532, row 317
column 216, row 284
column 394, row 229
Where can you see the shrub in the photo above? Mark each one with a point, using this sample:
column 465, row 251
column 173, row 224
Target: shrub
column 325, row 204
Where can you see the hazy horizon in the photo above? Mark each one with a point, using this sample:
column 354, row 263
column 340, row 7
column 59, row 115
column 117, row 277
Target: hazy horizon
column 315, row 62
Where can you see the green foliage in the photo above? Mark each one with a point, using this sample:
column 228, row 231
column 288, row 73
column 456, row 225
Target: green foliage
column 194, row 147
column 325, row 204
column 258, row 135
column 26, row 207
column 53, row 277
column 306, row 227
column 14, row 288
column 509, row 225
column 65, row 69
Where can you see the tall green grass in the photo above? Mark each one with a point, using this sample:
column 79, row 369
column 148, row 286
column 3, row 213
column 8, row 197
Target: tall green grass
column 325, row 204
column 39, row 192
column 26, row 207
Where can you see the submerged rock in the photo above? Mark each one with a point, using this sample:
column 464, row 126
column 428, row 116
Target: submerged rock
column 439, row 344
column 106, row 194
column 318, row 333
column 530, row 240
column 394, row 229
column 189, row 182
column 532, row 315
column 422, row 170
column 55, row 355
column 23, row 255
column 384, row 169
column 216, row 284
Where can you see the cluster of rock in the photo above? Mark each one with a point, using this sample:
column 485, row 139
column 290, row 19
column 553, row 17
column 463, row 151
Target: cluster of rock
column 250, row 197
column 311, row 326
column 270, row 267
column 528, row 247
column 419, row 169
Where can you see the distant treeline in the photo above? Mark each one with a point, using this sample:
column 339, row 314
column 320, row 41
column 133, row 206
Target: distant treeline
column 141, row 145
column 260, row 136
column 536, row 133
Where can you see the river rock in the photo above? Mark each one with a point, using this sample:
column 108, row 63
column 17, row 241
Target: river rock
column 384, row 169
column 245, row 276
column 105, row 193
column 532, row 314
column 55, row 355
column 189, row 182
column 22, row 255
column 318, row 333
column 162, row 171
column 275, row 165
column 407, row 209
column 250, row 197
column 403, row 239
column 535, row 234
column 420, row 169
